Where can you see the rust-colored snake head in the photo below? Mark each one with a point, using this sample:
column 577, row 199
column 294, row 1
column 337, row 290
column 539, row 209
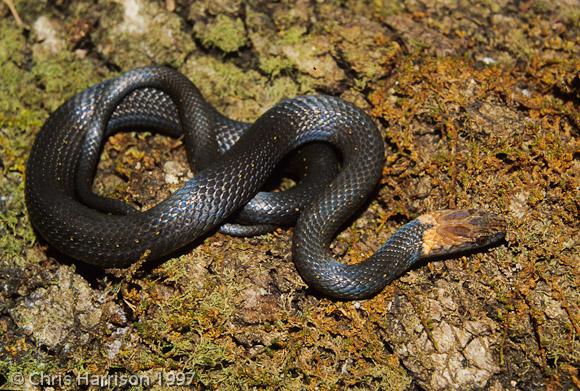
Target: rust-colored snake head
column 456, row 231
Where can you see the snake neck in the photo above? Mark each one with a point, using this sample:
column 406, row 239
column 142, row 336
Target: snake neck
column 364, row 279
column 403, row 249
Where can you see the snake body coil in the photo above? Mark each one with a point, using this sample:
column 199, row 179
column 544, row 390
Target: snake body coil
column 233, row 160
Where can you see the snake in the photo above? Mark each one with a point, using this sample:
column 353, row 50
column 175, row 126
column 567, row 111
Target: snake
column 336, row 150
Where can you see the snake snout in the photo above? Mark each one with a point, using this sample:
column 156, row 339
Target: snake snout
column 454, row 231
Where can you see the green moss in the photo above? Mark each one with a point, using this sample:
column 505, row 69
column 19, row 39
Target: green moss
column 16, row 235
column 211, row 354
column 13, row 48
column 221, row 81
column 18, row 94
column 542, row 6
column 571, row 13
column 243, row 94
column 518, row 43
column 492, row 5
column 386, row 8
column 151, row 35
column 30, row 9
column 225, row 33
column 19, row 112
column 31, row 362
column 275, row 65
column 49, row 70
column 293, row 35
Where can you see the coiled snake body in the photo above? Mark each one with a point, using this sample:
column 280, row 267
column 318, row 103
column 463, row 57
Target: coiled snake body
column 233, row 160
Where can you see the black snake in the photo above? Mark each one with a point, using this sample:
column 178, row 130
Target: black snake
column 233, row 160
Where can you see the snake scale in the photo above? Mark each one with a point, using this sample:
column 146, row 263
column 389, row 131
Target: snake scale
column 341, row 162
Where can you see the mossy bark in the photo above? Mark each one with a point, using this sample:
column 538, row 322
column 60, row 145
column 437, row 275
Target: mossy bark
column 478, row 103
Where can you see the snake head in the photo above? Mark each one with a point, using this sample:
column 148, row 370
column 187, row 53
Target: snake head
column 457, row 231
